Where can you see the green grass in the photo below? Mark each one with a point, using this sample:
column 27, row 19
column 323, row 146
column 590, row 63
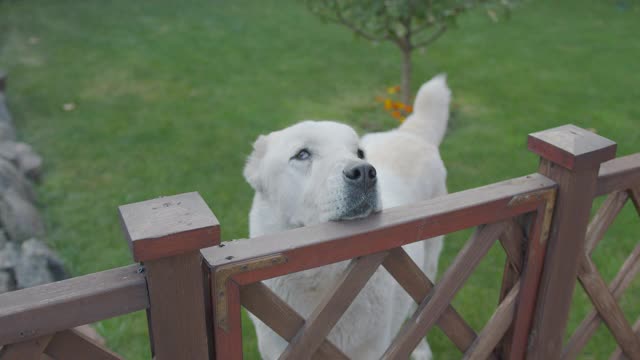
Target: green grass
column 170, row 95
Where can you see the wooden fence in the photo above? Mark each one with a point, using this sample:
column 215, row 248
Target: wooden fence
column 193, row 287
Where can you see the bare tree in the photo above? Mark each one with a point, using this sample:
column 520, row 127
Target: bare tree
column 409, row 24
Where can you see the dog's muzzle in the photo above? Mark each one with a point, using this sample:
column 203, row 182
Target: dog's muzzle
column 361, row 191
column 360, row 175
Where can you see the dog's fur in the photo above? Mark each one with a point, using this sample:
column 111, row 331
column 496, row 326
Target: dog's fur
column 293, row 190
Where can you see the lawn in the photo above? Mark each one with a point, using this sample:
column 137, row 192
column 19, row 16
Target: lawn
column 169, row 96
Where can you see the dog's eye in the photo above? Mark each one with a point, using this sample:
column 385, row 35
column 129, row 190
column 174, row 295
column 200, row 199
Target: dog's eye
column 360, row 154
column 303, row 154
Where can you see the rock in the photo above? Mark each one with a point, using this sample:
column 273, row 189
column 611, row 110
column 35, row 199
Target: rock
column 56, row 268
column 24, row 260
column 11, row 178
column 34, row 265
column 9, row 256
column 29, row 162
column 19, row 218
column 3, row 239
column 7, row 132
column 6, row 282
column 23, row 157
column 32, row 272
column 34, row 247
column 9, row 152
column 5, row 115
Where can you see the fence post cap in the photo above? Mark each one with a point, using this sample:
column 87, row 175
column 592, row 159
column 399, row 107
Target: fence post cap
column 572, row 147
column 169, row 226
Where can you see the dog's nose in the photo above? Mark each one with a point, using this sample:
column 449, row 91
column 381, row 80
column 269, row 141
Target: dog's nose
column 360, row 173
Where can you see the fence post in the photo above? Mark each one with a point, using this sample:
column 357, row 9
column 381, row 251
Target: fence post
column 166, row 235
column 570, row 156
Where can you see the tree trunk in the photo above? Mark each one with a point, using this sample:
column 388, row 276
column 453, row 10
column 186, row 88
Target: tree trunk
column 406, row 76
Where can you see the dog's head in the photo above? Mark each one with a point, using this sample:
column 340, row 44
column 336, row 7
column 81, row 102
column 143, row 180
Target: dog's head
column 312, row 172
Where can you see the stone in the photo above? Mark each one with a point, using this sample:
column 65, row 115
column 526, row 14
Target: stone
column 12, row 178
column 56, row 268
column 5, row 115
column 9, row 152
column 19, row 218
column 7, row 132
column 3, row 239
column 34, row 267
column 32, row 271
column 6, row 282
column 23, row 157
column 9, row 256
column 29, row 162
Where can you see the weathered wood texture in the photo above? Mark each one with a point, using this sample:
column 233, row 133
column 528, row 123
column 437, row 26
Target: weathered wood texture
column 46, row 309
column 619, row 174
column 431, row 308
column 314, row 246
column 279, row 316
column 571, row 157
column 418, row 286
column 538, row 234
column 634, row 193
column 572, row 147
column 605, row 299
column 603, row 218
column 608, row 308
column 73, row 345
column 177, row 309
column 332, row 307
column 513, row 243
column 495, row 329
column 617, row 353
column 169, row 226
column 589, row 325
column 167, row 234
column 228, row 341
column 26, row 350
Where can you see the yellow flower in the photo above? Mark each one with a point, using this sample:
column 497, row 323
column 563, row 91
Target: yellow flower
column 397, row 115
column 388, row 104
column 398, row 105
column 393, row 89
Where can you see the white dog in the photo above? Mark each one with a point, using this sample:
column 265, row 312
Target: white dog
column 315, row 172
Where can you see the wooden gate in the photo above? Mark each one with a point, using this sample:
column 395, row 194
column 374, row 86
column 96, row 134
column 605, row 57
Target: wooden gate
column 193, row 286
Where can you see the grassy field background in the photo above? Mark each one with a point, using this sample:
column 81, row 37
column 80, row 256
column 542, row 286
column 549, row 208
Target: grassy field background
column 169, row 96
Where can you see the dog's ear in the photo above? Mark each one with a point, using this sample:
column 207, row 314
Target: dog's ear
column 252, row 167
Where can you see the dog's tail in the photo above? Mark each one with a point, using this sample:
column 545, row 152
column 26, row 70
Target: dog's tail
column 430, row 110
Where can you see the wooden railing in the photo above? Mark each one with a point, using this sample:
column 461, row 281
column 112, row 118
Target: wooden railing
column 621, row 183
column 165, row 236
column 238, row 267
column 193, row 286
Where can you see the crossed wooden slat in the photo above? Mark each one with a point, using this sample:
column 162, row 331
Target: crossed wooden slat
column 433, row 306
column 603, row 297
column 513, row 243
column 63, row 345
column 310, row 336
column 330, row 310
